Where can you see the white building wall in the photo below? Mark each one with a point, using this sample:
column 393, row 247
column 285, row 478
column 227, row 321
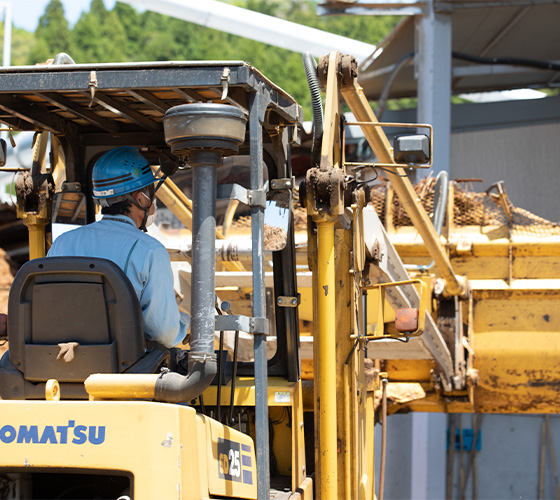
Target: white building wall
column 507, row 466
column 526, row 157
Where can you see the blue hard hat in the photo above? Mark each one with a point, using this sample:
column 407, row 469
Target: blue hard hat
column 119, row 172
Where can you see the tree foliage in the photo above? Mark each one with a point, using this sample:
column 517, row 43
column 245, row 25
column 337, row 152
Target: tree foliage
column 52, row 35
column 124, row 34
column 22, row 42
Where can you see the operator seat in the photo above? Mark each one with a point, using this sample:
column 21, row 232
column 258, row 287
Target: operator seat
column 57, row 301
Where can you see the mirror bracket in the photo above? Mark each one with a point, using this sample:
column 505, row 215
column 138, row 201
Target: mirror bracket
column 412, row 319
column 286, row 183
column 251, row 198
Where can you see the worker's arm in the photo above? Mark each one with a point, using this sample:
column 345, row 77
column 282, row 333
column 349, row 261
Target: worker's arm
column 162, row 320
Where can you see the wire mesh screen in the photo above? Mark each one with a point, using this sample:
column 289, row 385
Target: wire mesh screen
column 469, row 209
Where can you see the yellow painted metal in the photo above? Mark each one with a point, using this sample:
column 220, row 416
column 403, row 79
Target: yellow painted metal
column 180, row 205
column 516, row 344
column 353, row 457
column 235, row 459
column 36, row 223
column 299, row 468
column 305, row 490
column 369, row 444
column 281, row 432
column 59, row 163
column 381, row 306
column 356, row 100
column 176, row 201
column 52, row 390
column 169, row 451
column 403, row 370
column 281, row 392
column 230, row 212
column 121, row 386
column 347, row 432
column 163, row 448
column 327, row 365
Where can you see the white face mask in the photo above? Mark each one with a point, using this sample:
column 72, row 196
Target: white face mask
column 152, row 217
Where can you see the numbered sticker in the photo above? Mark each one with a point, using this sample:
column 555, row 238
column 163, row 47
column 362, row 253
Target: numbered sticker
column 235, row 461
column 229, row 456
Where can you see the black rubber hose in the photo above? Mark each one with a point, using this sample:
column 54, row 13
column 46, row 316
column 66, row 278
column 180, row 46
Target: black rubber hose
column 172, row 387
column 512, row 61
column 404, row 60
column 310, row 66
column 382, row 102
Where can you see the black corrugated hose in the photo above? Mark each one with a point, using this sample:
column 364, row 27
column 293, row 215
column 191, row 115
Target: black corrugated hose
column 310, row 66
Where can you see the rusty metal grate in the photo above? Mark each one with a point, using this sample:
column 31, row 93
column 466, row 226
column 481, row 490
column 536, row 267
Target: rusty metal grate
column 469, row 209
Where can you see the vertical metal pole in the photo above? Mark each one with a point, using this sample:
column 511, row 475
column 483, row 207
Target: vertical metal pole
column 452, row 419
column 327, row 366
column 419, row 456
column 259, row 301
column 433, row 71
column 204, row 164
column 7, row 33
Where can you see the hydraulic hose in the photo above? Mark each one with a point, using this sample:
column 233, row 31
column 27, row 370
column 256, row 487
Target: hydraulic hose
column 512, row 61
column 310, row 66
column 383, row 98
column 441, row 191
column 172, row 387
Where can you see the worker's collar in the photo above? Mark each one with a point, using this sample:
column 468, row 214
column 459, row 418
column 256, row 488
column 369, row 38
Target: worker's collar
column 120, row 218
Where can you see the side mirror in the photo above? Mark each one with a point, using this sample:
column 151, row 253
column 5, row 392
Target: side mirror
column 409, row 150
column 3, row 152
column 276, row 220
column 412, row 149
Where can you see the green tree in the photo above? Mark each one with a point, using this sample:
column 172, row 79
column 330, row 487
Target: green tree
column 99, row 36
column 52, row 34
column 22, row 41
column 130, row 20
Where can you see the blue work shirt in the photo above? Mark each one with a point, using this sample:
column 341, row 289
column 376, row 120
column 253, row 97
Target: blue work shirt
column 144, row 260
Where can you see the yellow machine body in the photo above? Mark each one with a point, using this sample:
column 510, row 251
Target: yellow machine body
column 167, row 451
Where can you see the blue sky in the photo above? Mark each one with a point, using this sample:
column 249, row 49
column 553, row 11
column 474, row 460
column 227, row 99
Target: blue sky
column 26, row 13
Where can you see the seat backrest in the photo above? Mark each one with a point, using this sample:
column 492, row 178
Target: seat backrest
column 88, row 301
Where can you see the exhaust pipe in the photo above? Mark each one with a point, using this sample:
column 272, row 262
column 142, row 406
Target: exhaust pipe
column 204, row 134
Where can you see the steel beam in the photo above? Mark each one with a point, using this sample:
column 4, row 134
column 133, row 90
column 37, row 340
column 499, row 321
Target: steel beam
column 433, row 71
column 121, row 109
column 80, row 111
column 257, row 111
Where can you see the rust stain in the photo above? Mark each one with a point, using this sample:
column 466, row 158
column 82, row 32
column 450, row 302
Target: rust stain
column 326, row 288
column 490, row 401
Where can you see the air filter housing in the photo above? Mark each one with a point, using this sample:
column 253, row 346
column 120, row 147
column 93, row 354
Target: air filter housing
column 206, row 126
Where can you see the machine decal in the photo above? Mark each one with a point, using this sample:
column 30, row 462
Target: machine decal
column 235, row 465
column 50, row 434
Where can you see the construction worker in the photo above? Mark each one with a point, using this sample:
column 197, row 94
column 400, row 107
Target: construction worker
column 123, row 185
